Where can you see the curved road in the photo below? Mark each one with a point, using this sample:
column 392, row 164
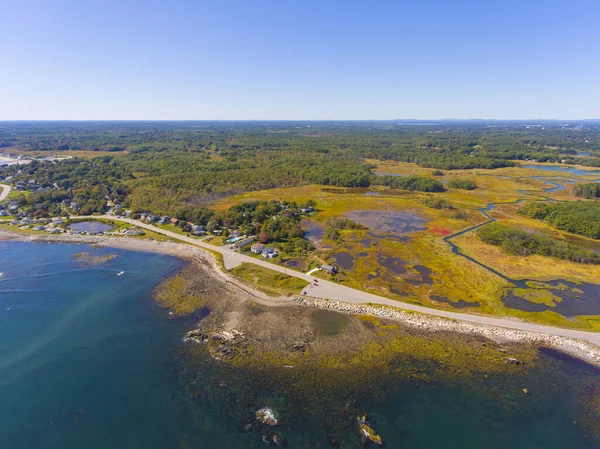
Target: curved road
column 331, row 290
column 5, row 191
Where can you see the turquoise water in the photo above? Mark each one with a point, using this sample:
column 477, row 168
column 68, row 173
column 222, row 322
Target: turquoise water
column 82, row 350
column 88, row 360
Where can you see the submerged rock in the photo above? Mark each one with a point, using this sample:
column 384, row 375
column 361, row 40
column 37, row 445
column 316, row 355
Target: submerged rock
column 366, row 432
column 195, row 335
column 513, row 361
column 266, row 416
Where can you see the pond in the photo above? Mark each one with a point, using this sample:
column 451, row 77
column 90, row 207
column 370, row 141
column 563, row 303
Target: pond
column 395, row 265
column 565, row 169
column 313, row 232
column 91, row 227
column 344, row 260
column 388, row 223
column 575, row 299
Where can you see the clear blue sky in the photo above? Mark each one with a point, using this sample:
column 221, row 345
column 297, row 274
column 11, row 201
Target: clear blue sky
column 299, row 59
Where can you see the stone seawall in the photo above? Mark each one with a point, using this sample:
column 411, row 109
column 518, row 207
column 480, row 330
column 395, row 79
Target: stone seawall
column 578, row 348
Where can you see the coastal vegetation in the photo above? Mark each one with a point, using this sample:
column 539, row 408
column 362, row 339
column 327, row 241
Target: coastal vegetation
column 410, row 183
column 590, row 190
column 523, row 243
column 465, row 184
column 334, row 225
column 578, row 217
column 435, row 202
column 268, row 281
column 294, row 188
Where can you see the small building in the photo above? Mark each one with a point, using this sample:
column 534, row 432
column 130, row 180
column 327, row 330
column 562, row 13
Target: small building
column 257, row 248
column 57, row 220
column 270, row 252
column 330, row 269
column 244, row 242
column 174, row 221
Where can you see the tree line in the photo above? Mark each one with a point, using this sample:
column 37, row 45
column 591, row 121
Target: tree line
column 523, row 243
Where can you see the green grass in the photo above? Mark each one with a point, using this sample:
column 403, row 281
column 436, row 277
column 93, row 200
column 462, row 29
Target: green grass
column 270, row 282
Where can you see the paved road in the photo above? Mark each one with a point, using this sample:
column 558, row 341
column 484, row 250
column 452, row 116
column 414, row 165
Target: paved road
column 5, row 191
column 331, row 290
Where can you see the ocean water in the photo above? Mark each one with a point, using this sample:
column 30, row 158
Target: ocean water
column 88, row 360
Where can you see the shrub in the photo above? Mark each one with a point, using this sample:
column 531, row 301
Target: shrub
column 465, row 184
column 523, row 243
column 437, row 203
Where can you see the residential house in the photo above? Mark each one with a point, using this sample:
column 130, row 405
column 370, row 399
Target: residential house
column 57, row 221
column 257, row 248
column 174, row 221
column 330, row 269
column 164, row 220
column 270, row 252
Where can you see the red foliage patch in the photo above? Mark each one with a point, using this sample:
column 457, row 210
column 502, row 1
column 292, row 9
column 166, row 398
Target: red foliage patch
column 441, row 231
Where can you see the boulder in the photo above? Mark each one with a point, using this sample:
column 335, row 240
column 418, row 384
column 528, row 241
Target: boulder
column 366, row 432
column 266, row 416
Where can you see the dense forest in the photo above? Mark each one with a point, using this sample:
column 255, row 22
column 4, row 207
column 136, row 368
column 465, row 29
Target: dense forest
column 410, row 183
column 523, row 243
column 163, row 166
column 589, row 190
column 579, row 217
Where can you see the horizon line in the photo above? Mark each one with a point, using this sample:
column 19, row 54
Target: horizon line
column 314, row 120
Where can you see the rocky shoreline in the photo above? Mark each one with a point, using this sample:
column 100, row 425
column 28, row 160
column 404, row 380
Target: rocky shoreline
column 577, row 348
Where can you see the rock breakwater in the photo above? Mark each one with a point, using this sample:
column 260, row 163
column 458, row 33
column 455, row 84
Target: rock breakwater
column 579, row 348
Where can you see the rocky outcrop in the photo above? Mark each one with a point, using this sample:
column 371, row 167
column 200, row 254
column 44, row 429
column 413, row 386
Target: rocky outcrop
column 366, row 432
column 196, row 336
column 579, row 348
column 222, row 345
column 267, row 416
